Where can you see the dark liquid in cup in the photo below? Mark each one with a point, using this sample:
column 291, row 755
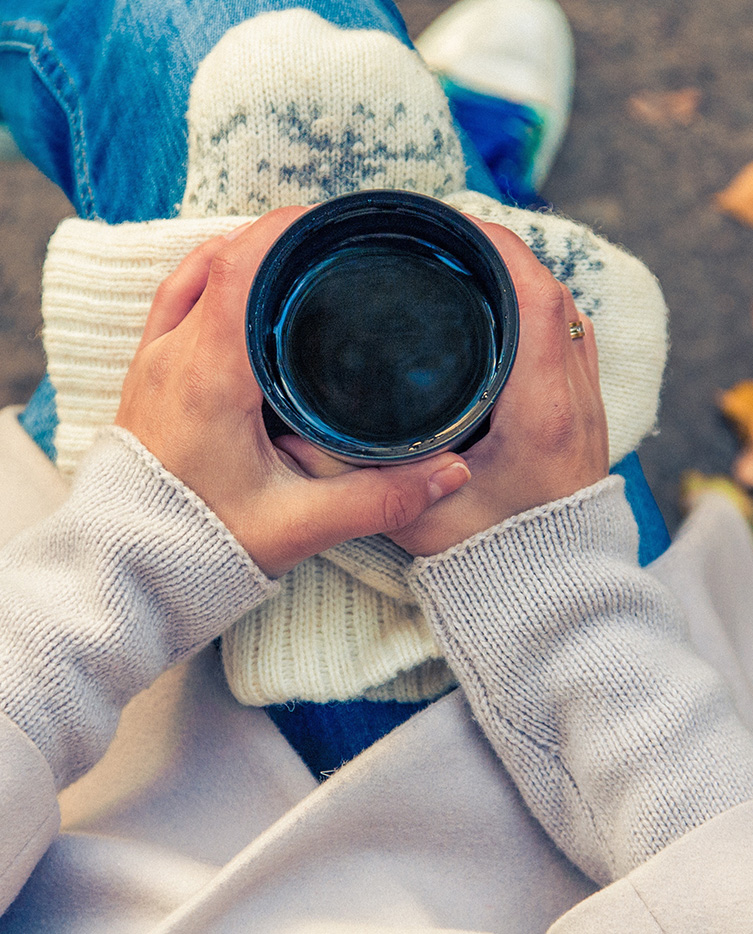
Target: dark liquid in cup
column 386, row 340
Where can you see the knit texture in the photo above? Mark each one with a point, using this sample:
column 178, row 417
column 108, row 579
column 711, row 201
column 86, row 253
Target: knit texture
column 620, row 296
column 344, row 624
column 116, row 586
column 98, row 283
column 289, row 109
column 339, row 628
column 577, row 666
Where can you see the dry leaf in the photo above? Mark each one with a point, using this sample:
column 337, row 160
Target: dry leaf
column 742, row 469
column 737, row 405
column 693, row 484
column 737, row 198
column 663, row 108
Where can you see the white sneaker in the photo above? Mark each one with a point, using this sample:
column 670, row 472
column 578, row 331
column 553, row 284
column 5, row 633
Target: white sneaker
column 8, row 148
column 518, row 50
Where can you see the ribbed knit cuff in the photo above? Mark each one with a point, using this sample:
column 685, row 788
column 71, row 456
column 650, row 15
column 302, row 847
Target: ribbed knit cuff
column 131, row 575
column 523, row 547
column 576, row 665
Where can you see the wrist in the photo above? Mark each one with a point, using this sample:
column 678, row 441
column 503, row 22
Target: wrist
column 130, row 575
column 596, row 518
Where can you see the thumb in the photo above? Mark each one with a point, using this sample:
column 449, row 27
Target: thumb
column 365, row 502
column 385, row 499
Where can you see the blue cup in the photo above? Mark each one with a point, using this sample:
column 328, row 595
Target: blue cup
column 381, row 326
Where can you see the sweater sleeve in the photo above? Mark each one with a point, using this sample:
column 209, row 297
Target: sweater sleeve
column 577, row 667
column 133, row 573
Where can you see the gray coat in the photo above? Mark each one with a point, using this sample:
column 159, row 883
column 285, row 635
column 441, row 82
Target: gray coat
column 200, row 817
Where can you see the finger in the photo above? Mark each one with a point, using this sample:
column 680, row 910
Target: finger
column 541, row 302
column 374, row 500
column 312, row 460
column 230, row 276
column 580, row 345
column 587, row 343
column 544, row 345
column 592, row 353
column 180, row 291
column 366, row 502
column 523, row 265
column 584, row 347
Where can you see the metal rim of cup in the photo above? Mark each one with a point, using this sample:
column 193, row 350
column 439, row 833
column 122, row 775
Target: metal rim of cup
column 273, row 277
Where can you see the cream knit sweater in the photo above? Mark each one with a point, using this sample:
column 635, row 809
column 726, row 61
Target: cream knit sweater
column 289, row 109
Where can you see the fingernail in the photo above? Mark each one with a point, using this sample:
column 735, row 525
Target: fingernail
column 447, row 480
column 238, row 231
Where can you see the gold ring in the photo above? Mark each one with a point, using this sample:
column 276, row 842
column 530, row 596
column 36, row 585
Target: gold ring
column 577, row 330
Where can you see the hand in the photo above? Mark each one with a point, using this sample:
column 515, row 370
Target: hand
column 548, row 433
column 191, row 398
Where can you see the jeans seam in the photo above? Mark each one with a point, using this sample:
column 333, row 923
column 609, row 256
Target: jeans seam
column 42, row 55
column 22, row 25
column 20, row 35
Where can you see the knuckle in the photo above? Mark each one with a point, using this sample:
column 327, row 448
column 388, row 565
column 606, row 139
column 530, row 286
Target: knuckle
column 225, row 268
column 568, row 302
column 397, row 509
column 549, row 297
column 193, row 390
column 166, row 291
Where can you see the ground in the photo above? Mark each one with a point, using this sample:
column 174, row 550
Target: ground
column 662, row 120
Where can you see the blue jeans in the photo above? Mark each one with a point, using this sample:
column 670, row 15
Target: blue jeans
column 95, row 94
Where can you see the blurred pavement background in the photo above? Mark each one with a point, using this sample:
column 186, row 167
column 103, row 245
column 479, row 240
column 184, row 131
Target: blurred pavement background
column 663, row 119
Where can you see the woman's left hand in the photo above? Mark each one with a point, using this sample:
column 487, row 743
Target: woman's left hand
column 191, row 398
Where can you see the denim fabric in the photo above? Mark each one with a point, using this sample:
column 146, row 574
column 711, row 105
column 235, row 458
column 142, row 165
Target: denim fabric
column 40, row 419
column 653, row 535
column 506, row 135
column 95, row 94
column 327, row 736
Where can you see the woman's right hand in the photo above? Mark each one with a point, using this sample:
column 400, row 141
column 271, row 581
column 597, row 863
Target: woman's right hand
column 548, row 432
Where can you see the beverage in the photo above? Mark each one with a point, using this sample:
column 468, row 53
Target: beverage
column 379, row 362
column 381, row 326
